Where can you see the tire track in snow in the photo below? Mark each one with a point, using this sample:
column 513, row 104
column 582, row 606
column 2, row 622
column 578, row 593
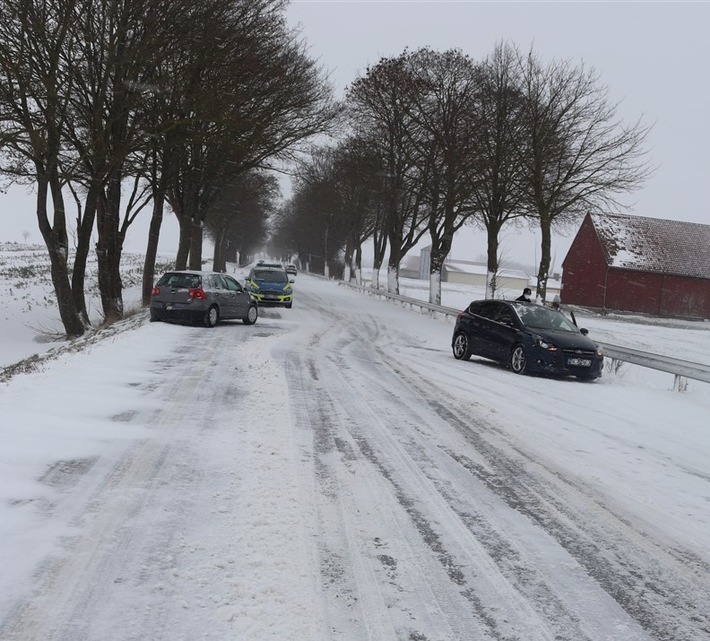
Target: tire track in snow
column 546, row 502
column 653, row 584
column 458, row 576
column 491, row 582
column 345, row 576
column 373, row 559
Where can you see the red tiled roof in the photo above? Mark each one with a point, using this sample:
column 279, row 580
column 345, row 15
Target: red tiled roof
column 654, row 244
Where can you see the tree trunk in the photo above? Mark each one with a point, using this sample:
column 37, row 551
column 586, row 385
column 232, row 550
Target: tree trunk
column 395, row 258
column 436, row 264
column 393, row 278
column 219, row 256
column 493, row 232
column 358, row 265
column 183, row 250
column 375, row 283
column 57, row 245
column 85, row 227
column 379, row 241
column 545, row 257
column 232, row 253
column 108, row 252
column 440, row 249
column 151, row 252
column 195, row 261
column 348, row 260
column 435, row 288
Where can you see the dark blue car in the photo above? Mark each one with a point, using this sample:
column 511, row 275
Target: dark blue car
column 527, row 337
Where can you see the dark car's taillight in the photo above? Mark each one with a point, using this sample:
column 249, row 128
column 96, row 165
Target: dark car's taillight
column 155, row 292
column 197, row 294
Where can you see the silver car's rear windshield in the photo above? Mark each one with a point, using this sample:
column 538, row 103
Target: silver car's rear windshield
column 180, row 281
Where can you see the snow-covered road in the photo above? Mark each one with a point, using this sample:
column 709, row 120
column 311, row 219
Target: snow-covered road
column 332, row 473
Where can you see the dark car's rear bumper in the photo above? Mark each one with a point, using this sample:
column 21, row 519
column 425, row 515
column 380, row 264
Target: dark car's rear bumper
column 181, row 314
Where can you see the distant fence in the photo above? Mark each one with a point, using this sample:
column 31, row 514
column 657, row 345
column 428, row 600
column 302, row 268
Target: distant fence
column 682, row 370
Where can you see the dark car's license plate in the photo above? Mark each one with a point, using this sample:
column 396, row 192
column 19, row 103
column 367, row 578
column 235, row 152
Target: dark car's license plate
column 579, row 362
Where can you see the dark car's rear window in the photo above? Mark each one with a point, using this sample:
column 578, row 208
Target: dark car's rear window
column 180, row 281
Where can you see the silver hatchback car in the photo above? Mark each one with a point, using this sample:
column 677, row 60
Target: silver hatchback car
column 201, row 297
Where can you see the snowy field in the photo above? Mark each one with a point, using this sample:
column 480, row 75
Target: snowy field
column 333, row 473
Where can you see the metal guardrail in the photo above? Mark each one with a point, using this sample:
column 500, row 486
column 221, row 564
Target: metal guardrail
column 449, row 311
column 682, row 370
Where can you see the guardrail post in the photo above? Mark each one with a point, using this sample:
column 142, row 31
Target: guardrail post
column 680, row 384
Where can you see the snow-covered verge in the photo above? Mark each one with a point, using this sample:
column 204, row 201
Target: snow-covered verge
column 29, row 318
column 333, row 473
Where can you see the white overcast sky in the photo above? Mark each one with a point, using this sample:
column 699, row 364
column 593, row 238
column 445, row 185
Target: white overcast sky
column 653, row 56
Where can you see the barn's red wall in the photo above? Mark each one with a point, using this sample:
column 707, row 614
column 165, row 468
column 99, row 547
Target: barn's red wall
column 684, row 296
column 658, row 294
column 632, row 291
column 584, row 269
column 588, row 282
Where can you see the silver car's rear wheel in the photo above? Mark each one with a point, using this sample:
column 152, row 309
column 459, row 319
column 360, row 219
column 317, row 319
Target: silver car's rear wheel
column 518, row 360
column 460, row 347
column 212, row 316
column 251, row 316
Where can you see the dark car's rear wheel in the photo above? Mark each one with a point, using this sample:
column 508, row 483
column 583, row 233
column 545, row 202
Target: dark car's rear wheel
column 212, row 316
column 251, row 316
column 518, row 360
column 461, row 347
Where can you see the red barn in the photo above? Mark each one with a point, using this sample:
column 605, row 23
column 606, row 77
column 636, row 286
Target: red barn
column 637, row 264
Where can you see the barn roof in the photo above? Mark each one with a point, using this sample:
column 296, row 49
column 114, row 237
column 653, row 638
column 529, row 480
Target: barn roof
column 654, row 244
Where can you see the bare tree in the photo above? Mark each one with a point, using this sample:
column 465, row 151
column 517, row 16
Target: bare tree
column 320, row 209
column 497, row 165
column 290, row 231
column 336, row 195
column 356, row 182
column 35, row 89
column 241, row 205
column 250, row 97
column 443, row 134
column 118, row 47
column 379, row 108
column 578, row 156
column 74, row 73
